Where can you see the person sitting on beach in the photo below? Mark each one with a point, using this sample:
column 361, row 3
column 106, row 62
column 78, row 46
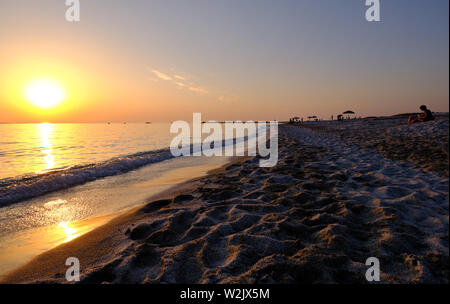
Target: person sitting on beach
column 426, row 116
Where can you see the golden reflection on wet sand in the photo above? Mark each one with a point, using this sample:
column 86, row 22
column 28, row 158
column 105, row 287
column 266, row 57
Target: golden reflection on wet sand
column 20, row 247
column 17, row 248
column 69, row 231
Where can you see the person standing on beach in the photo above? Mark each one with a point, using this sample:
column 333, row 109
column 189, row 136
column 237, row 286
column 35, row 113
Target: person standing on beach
column 426, row 116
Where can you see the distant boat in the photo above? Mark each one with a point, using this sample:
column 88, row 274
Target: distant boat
column 148, row 122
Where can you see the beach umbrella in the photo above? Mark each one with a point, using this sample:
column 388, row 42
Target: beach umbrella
column 348, row 112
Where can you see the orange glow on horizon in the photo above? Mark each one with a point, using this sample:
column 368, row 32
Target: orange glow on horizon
column 35, row 90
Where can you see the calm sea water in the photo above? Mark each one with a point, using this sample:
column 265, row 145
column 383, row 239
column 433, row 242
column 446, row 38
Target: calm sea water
column 59, row 181
column 41, row 158
column 39, row 148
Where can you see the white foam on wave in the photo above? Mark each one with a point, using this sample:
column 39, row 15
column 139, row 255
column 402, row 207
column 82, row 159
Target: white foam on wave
column 16, row 189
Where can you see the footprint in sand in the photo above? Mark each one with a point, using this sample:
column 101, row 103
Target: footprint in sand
column 388, row 192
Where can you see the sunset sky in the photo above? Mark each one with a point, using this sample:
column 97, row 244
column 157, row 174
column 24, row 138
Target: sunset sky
column 236, row 59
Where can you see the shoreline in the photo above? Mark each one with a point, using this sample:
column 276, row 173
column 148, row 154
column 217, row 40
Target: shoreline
column 177, row 177
column 327, row 206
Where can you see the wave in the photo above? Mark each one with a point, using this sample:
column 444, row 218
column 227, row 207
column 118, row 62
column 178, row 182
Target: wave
column 16, row 189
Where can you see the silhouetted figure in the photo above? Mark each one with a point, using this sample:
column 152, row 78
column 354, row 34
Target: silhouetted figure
column 426, row 116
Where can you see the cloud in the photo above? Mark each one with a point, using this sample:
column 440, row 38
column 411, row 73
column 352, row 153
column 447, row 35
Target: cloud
column 161, row 75
column 179, row 77
column 180, row 81
column 227, row 98
column 198, row 90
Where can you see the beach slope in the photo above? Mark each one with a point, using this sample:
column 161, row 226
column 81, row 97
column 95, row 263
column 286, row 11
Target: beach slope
column 329, row 204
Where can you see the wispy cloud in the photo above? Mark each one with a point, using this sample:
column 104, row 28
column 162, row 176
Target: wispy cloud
column 198, row 90
column 227, row 98
column 161, row 75
column 183, row 83
column 179, row 77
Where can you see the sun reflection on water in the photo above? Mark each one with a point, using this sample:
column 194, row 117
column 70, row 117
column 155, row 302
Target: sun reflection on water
column 69, row 231
column 45, row 130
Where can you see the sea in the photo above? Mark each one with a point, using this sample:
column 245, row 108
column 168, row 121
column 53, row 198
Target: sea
column 59, row 181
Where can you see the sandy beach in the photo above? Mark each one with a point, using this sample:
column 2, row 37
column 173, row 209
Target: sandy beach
column 341, row 192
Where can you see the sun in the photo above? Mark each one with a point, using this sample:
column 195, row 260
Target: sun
column 44, row 93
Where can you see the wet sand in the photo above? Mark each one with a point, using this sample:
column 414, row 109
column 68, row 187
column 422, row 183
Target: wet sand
column 330, row 203
column 23, row 246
